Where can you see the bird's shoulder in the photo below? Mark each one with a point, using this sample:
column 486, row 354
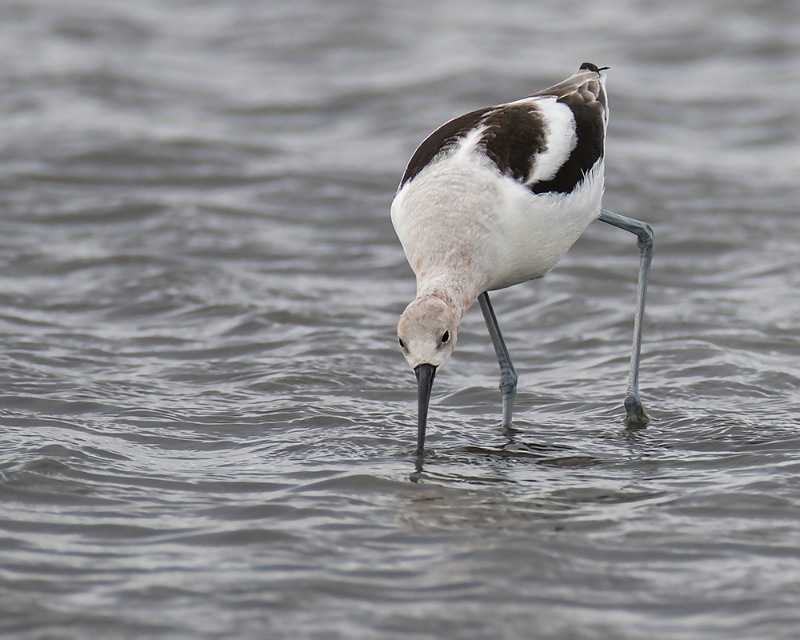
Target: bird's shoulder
column 443, row 139
column 509, row 135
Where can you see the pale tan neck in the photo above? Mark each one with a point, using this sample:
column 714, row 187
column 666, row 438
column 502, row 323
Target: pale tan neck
column 458, row 290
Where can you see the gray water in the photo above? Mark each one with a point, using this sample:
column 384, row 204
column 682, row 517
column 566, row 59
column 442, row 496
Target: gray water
column 206, row 426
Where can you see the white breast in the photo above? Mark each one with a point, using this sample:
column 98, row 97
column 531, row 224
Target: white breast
column 462, row 214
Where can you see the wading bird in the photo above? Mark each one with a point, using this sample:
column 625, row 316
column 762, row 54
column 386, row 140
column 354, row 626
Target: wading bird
column 494, row 198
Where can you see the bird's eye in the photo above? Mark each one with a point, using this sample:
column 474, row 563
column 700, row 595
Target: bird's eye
column 445, row 337
column 402, row 344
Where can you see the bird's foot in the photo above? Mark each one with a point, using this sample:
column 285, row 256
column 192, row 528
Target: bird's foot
column 636, row 416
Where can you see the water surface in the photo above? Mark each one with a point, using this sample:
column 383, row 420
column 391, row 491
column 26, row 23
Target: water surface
column 207, row 429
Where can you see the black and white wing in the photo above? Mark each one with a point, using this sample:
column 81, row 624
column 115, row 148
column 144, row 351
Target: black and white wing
column 548, row 141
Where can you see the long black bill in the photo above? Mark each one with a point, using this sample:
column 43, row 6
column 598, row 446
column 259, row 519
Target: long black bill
column 425, row 375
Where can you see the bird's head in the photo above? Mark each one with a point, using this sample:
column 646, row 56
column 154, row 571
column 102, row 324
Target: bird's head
column 427, row 333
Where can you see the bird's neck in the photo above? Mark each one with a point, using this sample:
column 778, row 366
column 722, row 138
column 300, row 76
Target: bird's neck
column 458, row 290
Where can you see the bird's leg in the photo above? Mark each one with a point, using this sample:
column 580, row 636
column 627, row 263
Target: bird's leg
column 633, row 406
column 508, row 376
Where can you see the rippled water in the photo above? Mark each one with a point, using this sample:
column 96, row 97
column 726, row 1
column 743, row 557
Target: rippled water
column 206, row 427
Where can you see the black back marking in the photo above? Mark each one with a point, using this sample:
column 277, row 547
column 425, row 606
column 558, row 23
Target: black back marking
column 513, row 136
column 590, row 130
column 587, row 101
column 515, row 133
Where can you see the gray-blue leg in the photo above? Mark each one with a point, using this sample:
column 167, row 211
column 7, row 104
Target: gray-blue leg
column 644, row 232
column 508, row 376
